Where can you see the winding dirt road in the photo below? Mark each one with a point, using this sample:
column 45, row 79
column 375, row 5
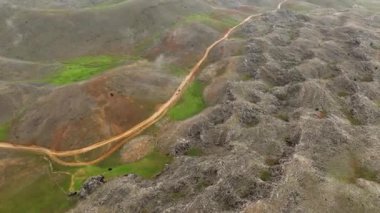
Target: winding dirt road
column 54, row 155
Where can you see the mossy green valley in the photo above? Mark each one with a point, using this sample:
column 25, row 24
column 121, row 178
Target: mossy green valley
column 190, row 104
column 83, row 68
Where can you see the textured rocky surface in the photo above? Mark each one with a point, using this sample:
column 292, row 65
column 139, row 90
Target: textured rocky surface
column 91, row 185
column 295, row 126
column 302, row 132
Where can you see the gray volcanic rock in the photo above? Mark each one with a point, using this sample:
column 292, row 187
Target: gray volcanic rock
column 298, row 132
column 90, row 185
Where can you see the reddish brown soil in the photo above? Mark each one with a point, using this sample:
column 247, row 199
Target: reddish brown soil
column 112, row 114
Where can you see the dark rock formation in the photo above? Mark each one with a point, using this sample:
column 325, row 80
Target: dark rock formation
column 90, row 185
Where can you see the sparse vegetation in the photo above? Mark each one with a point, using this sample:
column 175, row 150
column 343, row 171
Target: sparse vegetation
column 82, row 68
column 272, row 161
column 350, row 170
column 343, row 94
column 190, row 104
column 353, row 120
column 37, row 195
column 367, row 78
column 177, row 195
column 246, row 77
column 146, row 42
column 365, row 173
column 283, row 116
column 107, row 4
column 176, row 70
column 265, row 175
column 202, row 184
column 30, row 187
column 378, row 103
column 301, row 7
column 220, row 23
column 194, row 152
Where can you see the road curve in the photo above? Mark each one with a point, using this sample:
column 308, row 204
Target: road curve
column 54, row 155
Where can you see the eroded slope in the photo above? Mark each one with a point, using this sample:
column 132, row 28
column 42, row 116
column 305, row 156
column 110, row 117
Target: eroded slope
column 294, row 125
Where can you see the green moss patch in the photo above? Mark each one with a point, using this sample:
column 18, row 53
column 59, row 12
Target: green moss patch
column 194, row 152
column 191, row 103
column 176, row 70
column 4, row 130
column 283, row 116
column 148, row 167
column 177, row 195
column 107, row 4
column 39, row 195
column 30, row 187
column 272, row 161
column 378, row 103
column 343, row 94
column 265, row 175
column 202, row 184
column 83, row 68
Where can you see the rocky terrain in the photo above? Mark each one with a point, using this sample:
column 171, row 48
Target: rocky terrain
column 76, row 72
column 293, row 123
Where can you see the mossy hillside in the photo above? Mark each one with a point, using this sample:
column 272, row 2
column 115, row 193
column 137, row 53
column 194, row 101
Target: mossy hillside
column 349, row 168
column 47, row 191
column 148, row 167
column 83, row 68
column 32, row 187
column 194, row 152
column 176, row 70
column 265, row 175
column 42, row 194
column 190, row 104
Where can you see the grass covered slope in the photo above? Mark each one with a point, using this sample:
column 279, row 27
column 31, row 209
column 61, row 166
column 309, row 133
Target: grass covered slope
column 82, row 68
column 27, row 185
column 115, row 29
column 148, row 167
column 42, row 194
column 190, row 104
column 42, row 190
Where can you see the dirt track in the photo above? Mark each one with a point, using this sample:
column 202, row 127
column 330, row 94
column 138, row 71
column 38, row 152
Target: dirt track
column 54, row 155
